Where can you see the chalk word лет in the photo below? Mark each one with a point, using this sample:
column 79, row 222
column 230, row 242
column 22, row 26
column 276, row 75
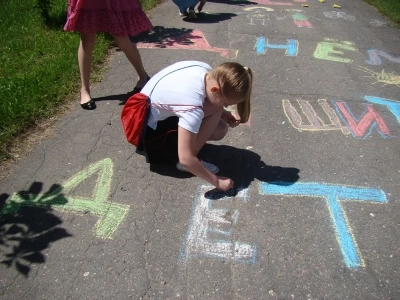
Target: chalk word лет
column 110, row 214
column 206, row 221
column 333, row 195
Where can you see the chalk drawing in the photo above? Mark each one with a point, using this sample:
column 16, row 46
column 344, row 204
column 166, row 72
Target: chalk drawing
column 301, row 20
column 333, row 196
column 314, row 122
column 377, row 22
column 294, row 10
column 110, row 214
column 362, row 127
column 262, row 45
column 374, row 57
column 382, row 77
column 338, row 15
column 258, row 17
column 327, row 50
column 269, row 2
column 258, row 8
column 205, row 220
column 194, row 40
column 392, row 105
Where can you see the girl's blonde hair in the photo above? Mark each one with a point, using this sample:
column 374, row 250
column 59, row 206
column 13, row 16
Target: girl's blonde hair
column 235, row 81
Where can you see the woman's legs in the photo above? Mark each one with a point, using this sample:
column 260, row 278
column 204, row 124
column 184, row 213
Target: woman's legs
column 85, row 51
column 133, row 55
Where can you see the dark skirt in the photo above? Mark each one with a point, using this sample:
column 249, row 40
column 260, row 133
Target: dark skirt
column 161, row 145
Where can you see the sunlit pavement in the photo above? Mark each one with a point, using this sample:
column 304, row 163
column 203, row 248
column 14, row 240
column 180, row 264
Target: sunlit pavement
column 315, row 210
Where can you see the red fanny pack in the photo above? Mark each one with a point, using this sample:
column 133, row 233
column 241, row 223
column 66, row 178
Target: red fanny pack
column 134, row 117
column 136, row 111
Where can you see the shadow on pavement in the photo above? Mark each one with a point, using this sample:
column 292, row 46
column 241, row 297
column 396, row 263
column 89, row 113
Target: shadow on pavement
column 243, row 166
column 161, row 36
column 230, row 2
column 122, row 98
column 209, row 18
column 28, row 226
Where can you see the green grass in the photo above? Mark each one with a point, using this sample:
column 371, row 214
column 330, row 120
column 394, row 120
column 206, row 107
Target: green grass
column 389, row 8
column 38, row 64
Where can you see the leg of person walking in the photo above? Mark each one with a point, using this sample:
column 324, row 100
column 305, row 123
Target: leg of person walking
column 85, row 52
column 133, row 55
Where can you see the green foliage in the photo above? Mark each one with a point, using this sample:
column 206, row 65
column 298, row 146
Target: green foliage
column 44, row 8
column 389, row 8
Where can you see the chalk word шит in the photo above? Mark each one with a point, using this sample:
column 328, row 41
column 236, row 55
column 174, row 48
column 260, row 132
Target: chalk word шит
column 206, row 221
column 360, row 127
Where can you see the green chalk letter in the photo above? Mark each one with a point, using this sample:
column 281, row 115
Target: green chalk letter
column 110, row 214
column 327, row 50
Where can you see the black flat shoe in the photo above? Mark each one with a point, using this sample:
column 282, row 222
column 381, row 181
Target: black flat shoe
column 90, row 105
column 137, row 89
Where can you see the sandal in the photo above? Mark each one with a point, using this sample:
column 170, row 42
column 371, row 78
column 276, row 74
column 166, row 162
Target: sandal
column 90, row 105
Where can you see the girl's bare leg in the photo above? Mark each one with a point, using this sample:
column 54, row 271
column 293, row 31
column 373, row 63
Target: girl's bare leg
column 85, row 52
column 220, row 131
column 201, row 5
column 133, row 55
column 213, row 128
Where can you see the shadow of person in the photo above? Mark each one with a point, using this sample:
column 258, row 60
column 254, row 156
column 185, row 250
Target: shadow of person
column 122, row 98
column 161, row 36
column 209, row 18
column 241, row 165
column 28, row 226
column 233, row 2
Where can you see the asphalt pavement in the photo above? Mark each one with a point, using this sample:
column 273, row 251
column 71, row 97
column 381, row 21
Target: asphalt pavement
column 315, row 212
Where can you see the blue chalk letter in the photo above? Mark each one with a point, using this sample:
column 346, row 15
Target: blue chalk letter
column 291, row 47
column 393, row 106
column 333, row 194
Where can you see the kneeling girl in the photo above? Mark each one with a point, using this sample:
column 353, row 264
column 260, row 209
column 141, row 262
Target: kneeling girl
column 190, row 97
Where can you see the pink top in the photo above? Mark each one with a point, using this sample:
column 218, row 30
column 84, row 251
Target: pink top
column 117, row 17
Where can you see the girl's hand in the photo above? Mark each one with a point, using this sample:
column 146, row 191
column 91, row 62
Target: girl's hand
column 224, row 183
column 232, row 119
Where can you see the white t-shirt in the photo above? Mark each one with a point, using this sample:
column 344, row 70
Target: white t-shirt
column 178, row 90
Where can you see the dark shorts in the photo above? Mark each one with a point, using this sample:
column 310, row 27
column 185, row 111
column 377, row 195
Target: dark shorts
column 161, row 145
